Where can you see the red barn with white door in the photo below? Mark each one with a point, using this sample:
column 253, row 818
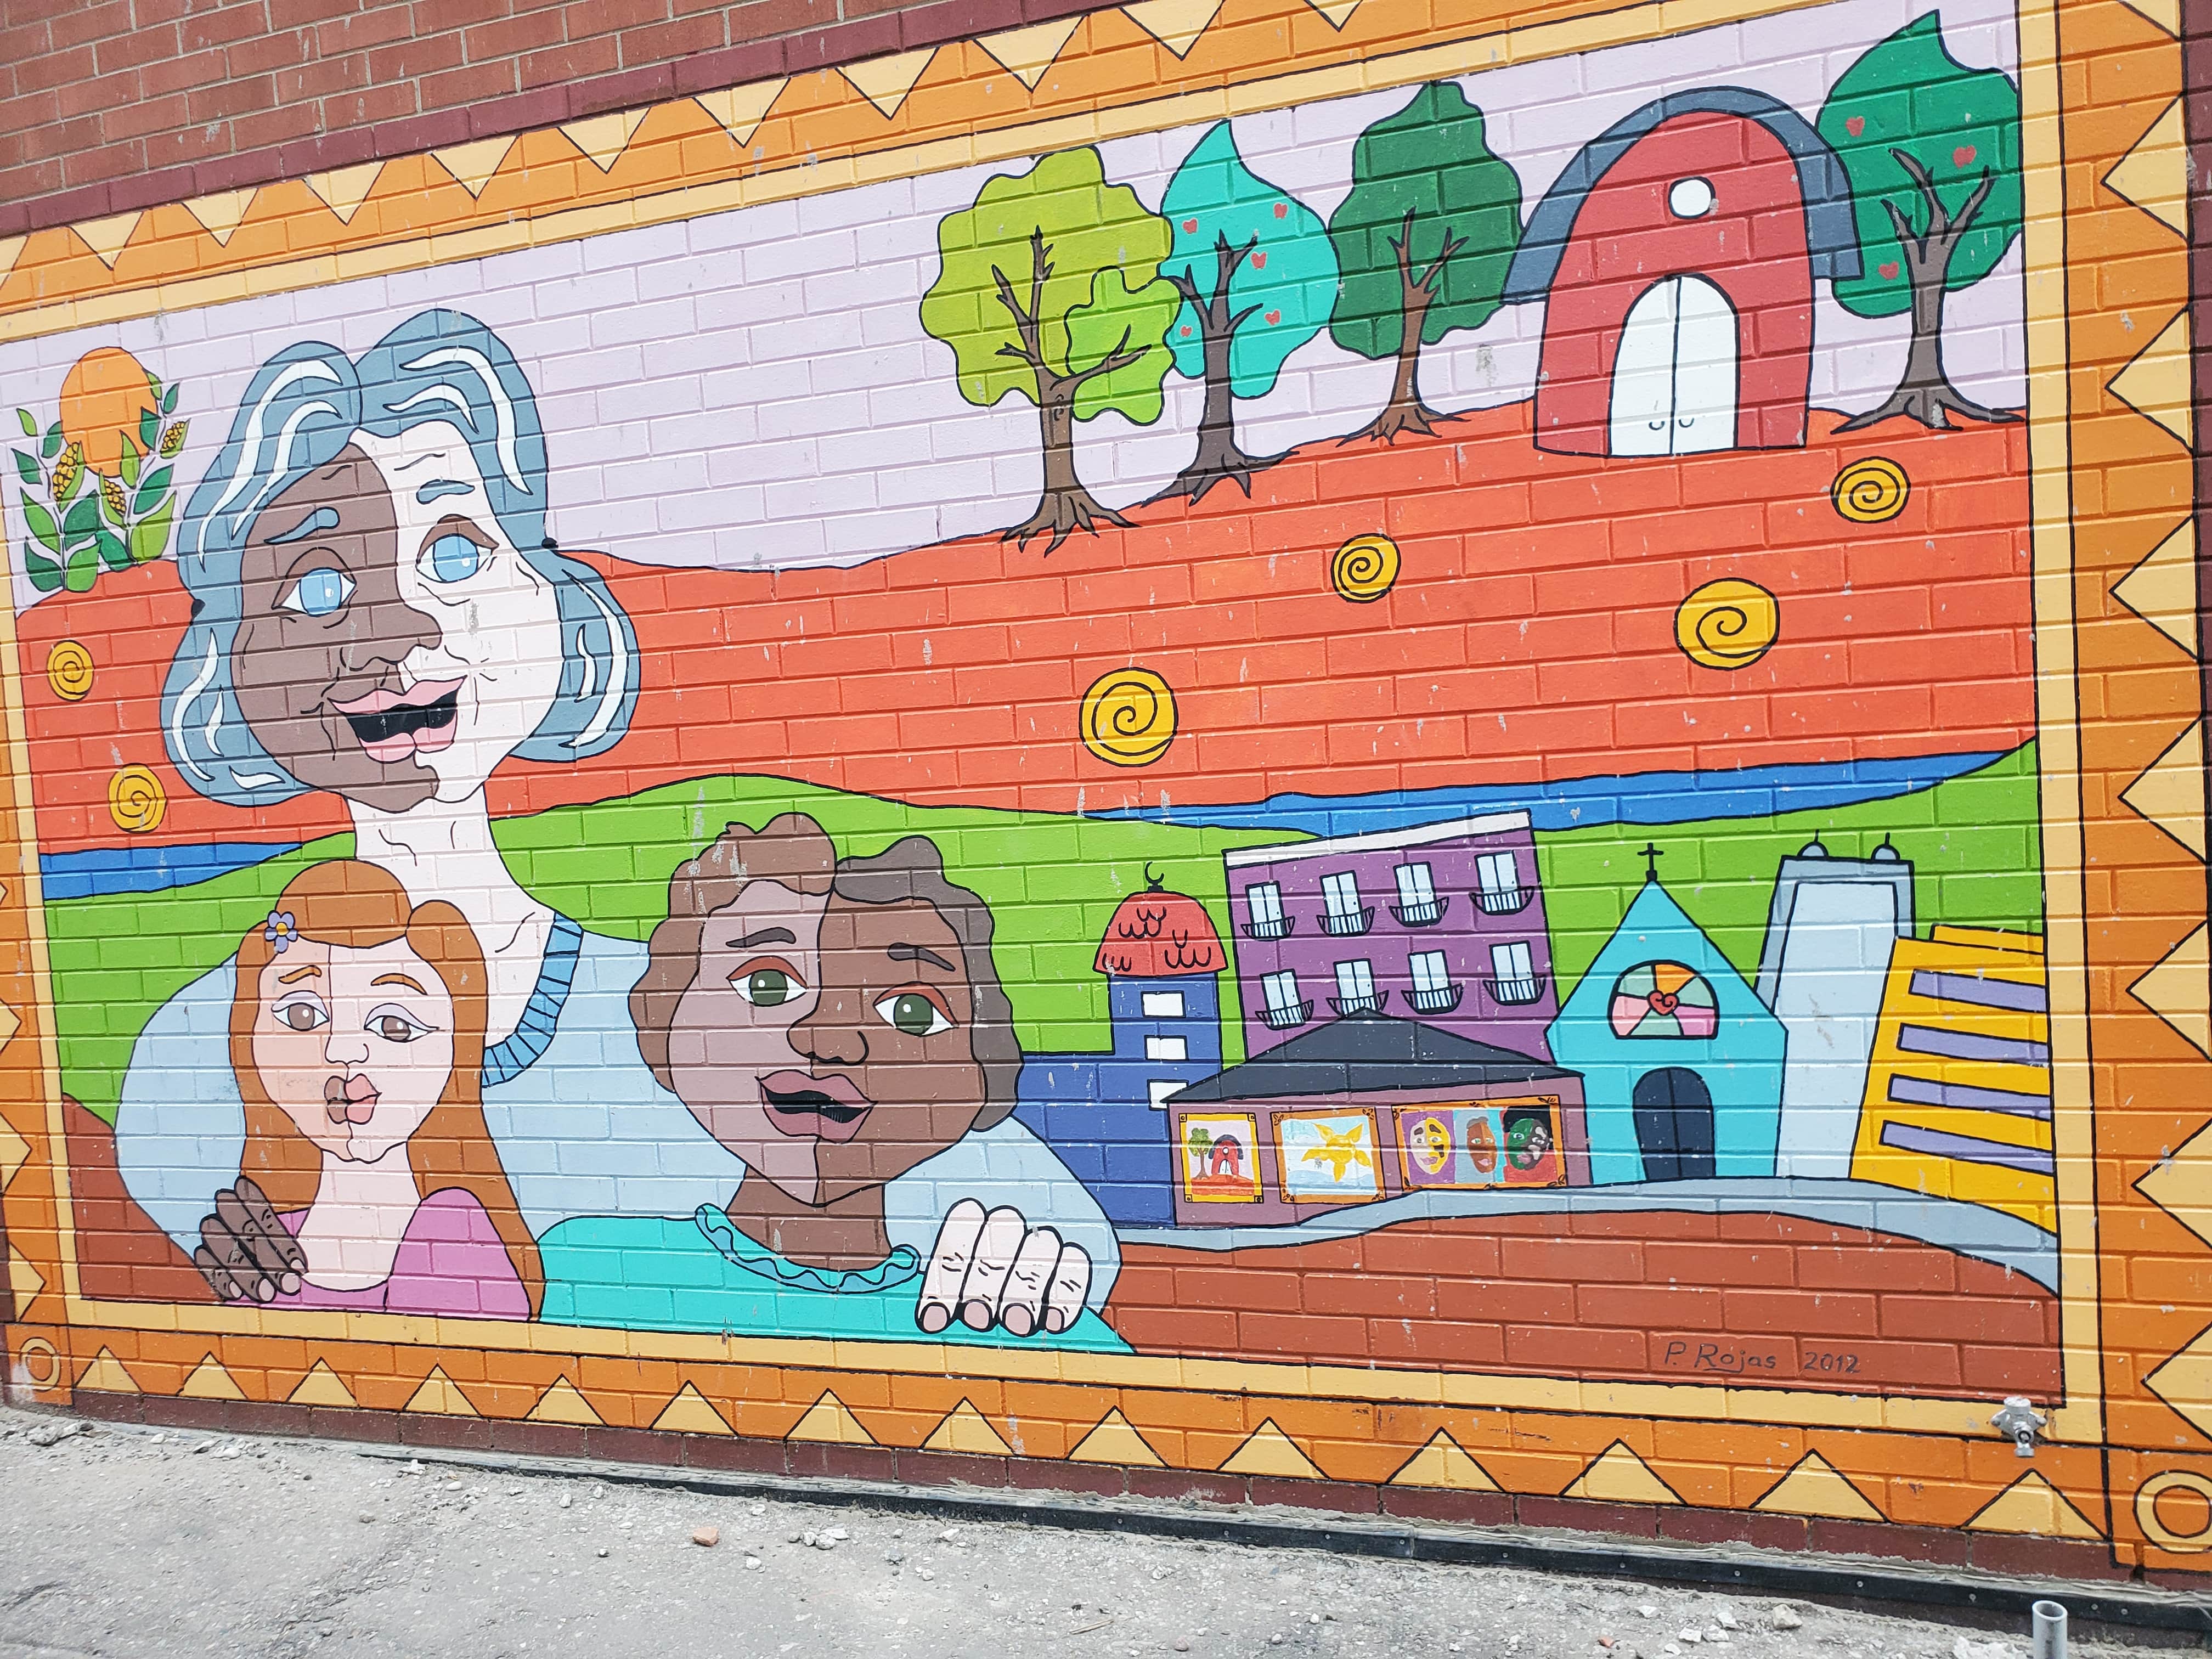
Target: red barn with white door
column 1676, row 260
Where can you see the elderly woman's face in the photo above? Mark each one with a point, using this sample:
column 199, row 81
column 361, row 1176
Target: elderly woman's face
column 394, row 646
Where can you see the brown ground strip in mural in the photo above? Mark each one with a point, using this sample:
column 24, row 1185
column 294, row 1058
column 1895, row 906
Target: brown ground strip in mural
column 1747, row 1299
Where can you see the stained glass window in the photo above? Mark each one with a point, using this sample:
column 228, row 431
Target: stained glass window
column 1663, row 999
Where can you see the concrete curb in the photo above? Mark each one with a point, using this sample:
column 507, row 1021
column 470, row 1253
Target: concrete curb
column 2123, row 1607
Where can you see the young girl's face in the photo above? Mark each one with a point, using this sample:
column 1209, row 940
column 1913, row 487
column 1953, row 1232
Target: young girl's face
column 355, row 1045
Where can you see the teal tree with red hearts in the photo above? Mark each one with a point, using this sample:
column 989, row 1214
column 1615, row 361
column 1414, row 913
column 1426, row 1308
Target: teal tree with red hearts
column 1424, row 241
column 1932, row 150
column 1258, row 280
column 1049, row 290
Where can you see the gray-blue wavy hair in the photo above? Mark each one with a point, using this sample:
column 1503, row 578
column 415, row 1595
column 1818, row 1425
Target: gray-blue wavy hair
column 301, row 408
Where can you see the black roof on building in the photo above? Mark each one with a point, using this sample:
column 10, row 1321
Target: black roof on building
column 1365, row 1053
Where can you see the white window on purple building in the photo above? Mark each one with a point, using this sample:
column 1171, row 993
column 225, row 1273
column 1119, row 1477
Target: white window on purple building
column 1344, row 915
column 1513, row 976
column 1355, row 988
column 1263, row 910
column 1497, row 884
column 1284, row 1009
column 1417, row 905
column 1433, row 991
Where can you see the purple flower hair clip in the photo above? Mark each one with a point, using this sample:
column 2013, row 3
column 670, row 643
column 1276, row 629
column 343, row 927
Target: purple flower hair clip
column 281, row 931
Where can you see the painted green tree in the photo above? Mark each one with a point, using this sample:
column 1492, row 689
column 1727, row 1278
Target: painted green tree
column 1932, row 149
column 1424, row 241
column 1049, row 289
column 1258, row 280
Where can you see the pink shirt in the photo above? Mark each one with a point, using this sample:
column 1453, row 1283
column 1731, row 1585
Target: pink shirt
column 450, row 1260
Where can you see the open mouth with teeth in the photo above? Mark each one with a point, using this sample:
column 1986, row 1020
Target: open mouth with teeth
column 393, row 726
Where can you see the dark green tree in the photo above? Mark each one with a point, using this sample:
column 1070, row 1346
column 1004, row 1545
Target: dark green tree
column 1932, row 149
column 1423, row 241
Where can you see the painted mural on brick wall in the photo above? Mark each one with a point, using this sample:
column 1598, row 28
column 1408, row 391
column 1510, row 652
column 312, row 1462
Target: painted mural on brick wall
column 1399, row 733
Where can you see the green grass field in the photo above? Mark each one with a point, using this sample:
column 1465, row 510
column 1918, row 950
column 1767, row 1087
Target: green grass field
column 1052, row 882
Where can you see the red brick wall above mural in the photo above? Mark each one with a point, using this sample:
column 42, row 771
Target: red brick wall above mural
column 115, row 105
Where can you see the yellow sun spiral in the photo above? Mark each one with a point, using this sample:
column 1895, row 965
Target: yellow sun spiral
column 135, row 799
column 1365, row 569
column 69, row 670
column 1128, row 717
column 1871, row 491
column 1727, row 624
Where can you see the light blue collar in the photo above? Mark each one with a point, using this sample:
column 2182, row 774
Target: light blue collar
column 901, row 1266
column 533, row 1032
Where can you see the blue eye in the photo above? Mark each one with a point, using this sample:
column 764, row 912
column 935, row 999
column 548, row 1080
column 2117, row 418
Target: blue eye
column 319, row 592
column 451, row 559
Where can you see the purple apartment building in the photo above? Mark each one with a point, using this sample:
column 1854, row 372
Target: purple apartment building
column 1442, row 924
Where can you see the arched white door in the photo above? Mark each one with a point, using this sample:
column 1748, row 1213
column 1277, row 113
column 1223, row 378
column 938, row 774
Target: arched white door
column 1674, row 376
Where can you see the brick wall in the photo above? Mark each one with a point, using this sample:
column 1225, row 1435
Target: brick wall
column 975, row 798
column 114, row 104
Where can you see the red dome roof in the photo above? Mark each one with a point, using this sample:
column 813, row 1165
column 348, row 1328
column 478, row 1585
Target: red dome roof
column 1157, row 935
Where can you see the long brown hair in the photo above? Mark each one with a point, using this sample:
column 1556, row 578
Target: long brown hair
column 346, row 903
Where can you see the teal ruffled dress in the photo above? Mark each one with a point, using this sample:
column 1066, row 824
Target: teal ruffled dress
column 667, row 1273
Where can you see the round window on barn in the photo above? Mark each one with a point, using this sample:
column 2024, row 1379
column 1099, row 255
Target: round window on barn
column 1690, row 198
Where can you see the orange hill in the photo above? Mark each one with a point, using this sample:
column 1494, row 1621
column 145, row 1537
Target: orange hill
column 1530, row 636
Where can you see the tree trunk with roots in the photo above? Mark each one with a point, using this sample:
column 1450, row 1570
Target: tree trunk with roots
column 1067, row 505
column 1219, row 457
column 1405, row 412
column 1925, row 393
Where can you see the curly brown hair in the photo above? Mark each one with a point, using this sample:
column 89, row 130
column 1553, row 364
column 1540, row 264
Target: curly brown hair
column 793, row 852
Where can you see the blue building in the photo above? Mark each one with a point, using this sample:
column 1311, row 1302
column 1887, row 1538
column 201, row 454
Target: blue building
column 1106, row 1113
column 1681, row 1062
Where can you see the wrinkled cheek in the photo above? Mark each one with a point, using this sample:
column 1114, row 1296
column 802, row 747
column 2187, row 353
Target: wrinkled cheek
column 462, row 638
column 522, row 629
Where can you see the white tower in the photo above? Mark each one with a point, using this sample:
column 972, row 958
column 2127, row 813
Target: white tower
column 1829, row 935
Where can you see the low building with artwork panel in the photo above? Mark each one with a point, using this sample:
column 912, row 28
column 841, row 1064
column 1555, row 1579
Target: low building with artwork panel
column 1365, row 1108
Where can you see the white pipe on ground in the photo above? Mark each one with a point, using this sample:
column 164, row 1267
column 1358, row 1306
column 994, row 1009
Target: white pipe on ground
column 2048, row 1640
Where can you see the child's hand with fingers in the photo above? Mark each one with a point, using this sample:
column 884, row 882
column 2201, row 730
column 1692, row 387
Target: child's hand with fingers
column 995, row 1268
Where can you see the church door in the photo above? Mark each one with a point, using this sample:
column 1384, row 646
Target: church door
column 1675, row 1125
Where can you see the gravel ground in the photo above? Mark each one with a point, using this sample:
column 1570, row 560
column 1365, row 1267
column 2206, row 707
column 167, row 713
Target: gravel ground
column 123, row 1542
